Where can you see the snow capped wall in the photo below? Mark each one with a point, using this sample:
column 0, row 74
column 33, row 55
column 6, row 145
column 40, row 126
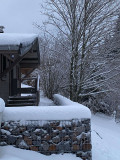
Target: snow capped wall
column 68, row 111
column 65, row 110
column 72, row 108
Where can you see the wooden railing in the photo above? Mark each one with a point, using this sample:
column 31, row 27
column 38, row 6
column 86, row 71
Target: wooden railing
column 35, row 89
column 26, row 90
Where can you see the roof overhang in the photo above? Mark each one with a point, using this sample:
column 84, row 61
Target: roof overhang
column 24, row 49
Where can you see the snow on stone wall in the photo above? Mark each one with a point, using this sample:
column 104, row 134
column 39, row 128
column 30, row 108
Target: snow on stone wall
column 65, row 110
column 77, row 110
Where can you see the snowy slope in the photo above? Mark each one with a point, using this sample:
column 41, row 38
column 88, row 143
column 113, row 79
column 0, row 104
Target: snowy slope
column 106, row 146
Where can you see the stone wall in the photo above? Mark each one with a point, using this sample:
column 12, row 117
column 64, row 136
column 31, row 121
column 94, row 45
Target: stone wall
column 48, row 137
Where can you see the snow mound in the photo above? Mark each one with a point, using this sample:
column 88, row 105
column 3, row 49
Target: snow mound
column 16, row 39
column 2, row 105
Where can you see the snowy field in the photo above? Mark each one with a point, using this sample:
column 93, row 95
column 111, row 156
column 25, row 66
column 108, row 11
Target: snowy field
column 106, row 145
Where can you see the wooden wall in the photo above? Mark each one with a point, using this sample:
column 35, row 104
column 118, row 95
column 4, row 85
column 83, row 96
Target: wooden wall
column 4, row 82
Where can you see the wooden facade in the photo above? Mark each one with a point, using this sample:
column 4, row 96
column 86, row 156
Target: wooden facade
column 15, row 60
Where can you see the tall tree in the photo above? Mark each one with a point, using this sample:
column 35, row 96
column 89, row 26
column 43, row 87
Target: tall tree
column 84, row 23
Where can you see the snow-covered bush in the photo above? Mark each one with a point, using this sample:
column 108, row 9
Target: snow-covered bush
column 117, row 114
column 98, row 105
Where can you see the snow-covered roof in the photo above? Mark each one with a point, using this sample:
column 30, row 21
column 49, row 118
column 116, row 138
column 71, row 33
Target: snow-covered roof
column 16, row 39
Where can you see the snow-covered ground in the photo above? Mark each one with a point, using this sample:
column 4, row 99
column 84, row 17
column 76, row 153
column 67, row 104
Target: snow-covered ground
column 106, row 145
column 44, row 101
column 11, row 153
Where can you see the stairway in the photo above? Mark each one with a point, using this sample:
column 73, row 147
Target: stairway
column 16, row 101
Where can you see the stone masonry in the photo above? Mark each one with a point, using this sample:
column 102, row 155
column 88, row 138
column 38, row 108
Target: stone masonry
column 48, row 137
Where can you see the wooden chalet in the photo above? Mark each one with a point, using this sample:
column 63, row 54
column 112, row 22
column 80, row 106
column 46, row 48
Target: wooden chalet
column 19, row 53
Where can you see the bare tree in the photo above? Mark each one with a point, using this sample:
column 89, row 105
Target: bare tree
column 110, row 50
column 54, row 68
column 85, row 24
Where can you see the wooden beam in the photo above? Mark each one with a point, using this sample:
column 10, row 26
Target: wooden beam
column 29, row 59
column 26, row 90
column 16, row 61
column 8, row 52
column 29, row 65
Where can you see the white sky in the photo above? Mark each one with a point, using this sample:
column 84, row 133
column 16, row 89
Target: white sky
column 18, row 16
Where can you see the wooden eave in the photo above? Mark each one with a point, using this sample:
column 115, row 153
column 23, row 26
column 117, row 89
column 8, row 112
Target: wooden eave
column 21, row 51
column 9, row 48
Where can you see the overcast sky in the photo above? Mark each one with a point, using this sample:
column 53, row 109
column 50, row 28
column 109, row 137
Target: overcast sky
column 18, row 16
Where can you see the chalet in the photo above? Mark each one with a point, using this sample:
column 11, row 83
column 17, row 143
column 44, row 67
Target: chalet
column 19, row 53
